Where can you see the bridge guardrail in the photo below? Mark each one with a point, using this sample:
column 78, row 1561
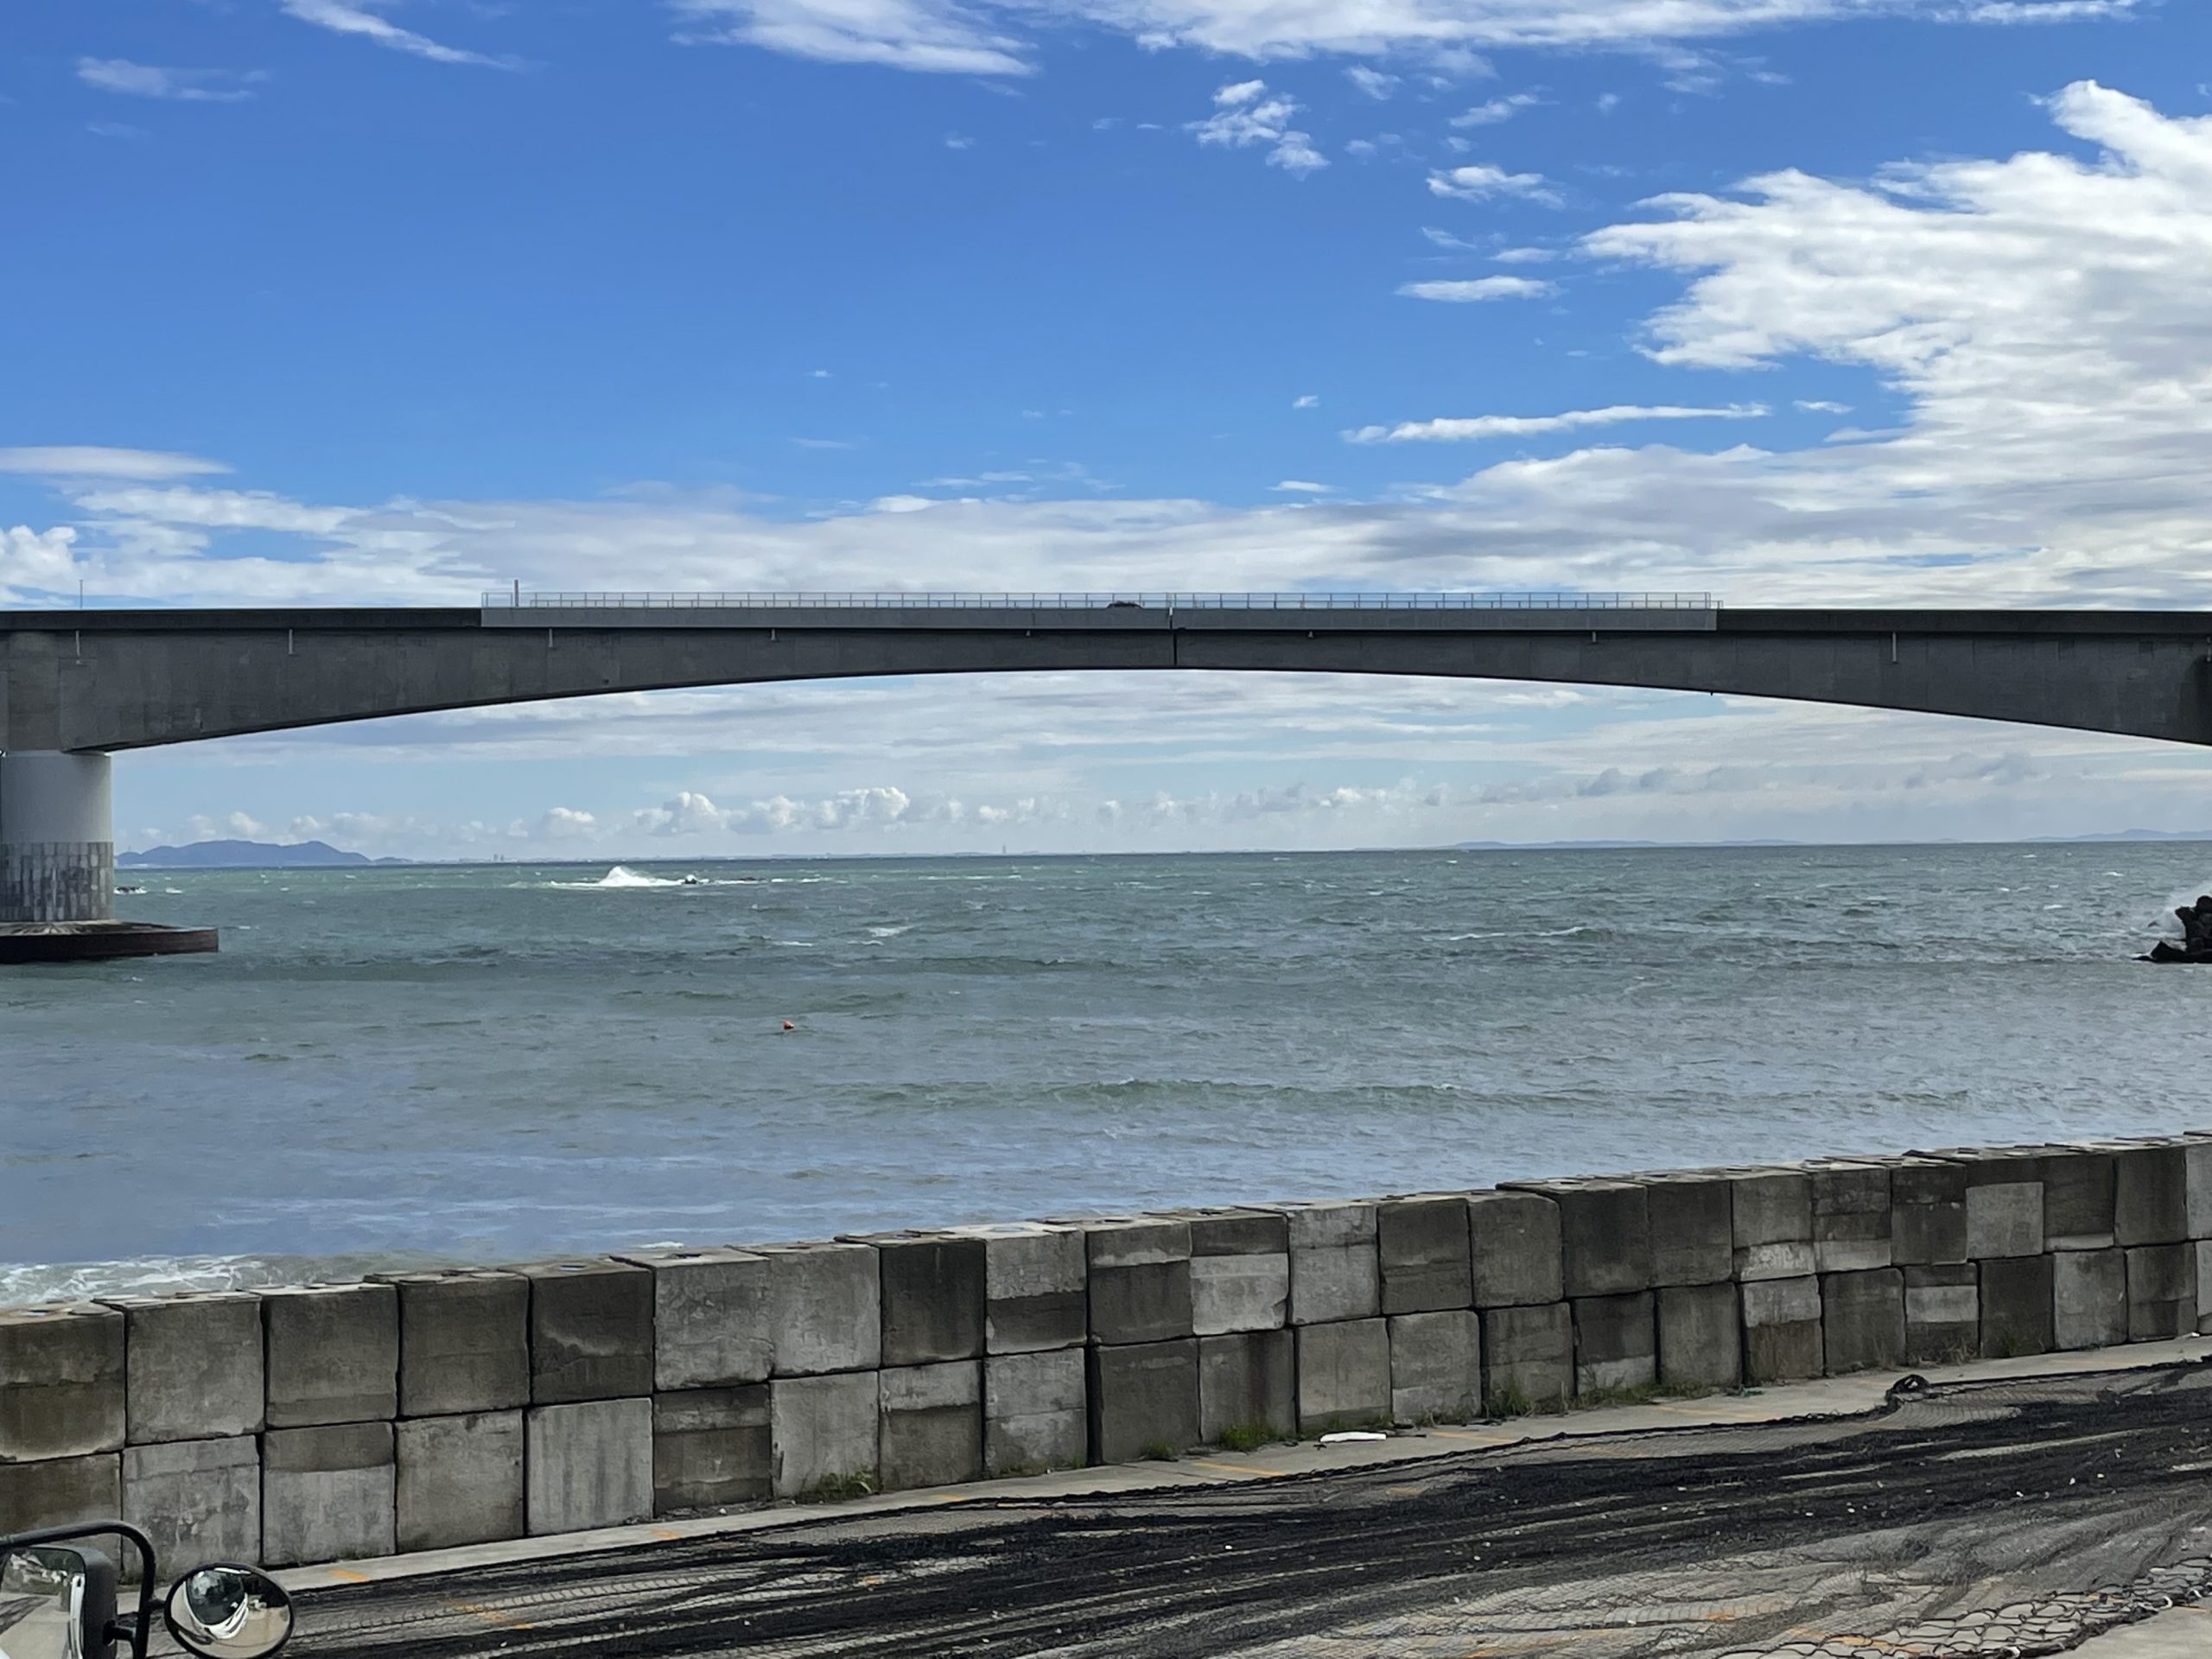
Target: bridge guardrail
column 1249, row 601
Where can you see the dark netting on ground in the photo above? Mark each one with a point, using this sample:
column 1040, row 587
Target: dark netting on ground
column 2002, row 1517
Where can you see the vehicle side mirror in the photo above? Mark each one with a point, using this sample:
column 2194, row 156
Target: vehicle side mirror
column 226, row 1611
column 57, row 1601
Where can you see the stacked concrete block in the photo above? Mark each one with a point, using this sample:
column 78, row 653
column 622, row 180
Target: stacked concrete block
column 1036, row 1287
column 1783, row 1338
column 2161, row 1292
column 328, row 1492
column 464, row 1342
column 589, row 1463
column 1527, row 1356
column 1862, row 1321
column 2088, row 1292
column 824, row 1434
column 1034, row 1413
column 1942, row 1311
column 934, row 1297
column 197, row 1500
column 2079, row 1199
column 1514, row 1243
column 1143, row 1399
column 1604, row 1234
column 1240, row 1270
column 1335, row 1266
column 1344, row 1374
column 1851, row 1214
column 2150, row 1192
column 61, row 1382
column 1700, row 1334
column 1928, row 1212
column 193, row 1366
column 1616, row 1343
column 1248, row 1381
column 1140, row 1279
column 2015, row 1306
column 591, row 1331
column 1771, row 1224
column 2005, row 1218
column 1691, row 1215
column 1422, row 1252
column 332, row 1356
column 59, row 1491
column 712, row 1449
column 710, row 1319
column 825, row 1305
column 931, row 1421
column 1436, row 1367
column 459, row 1479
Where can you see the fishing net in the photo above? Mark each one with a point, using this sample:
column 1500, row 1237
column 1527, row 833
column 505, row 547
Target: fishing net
column 2012, row 1517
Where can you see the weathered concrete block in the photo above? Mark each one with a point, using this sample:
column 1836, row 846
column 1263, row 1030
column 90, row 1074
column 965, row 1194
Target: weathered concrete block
column 935, row 1297
column 1036, row 1287
column 1781, row 1330
column 1772, row 1220
column 2161, row 1292
column 1234, row 1230
column 1436, row 1367
column 197, row 1500
column 326, row 1493
column 1239, row 1293
column 712, row 1449
column 2196, row 1159
column 460, row 1480
column 825, row 1431
column 1336, row 1271
column 2203, row 1248
column 1514, row 1239
column 711, row 1325
column 59, row 1491
column 332, row 1356
column 1700, row 1337
column 1247, row 1380
column 1862, row 1321
column 1344, row 1374
column 825, row 1306
column 1421, row 1244
column 2150, row 1193
column 2088, row 1292
column 1527, row 1353
column 1139, row 1279
column 464, row 1341
column 1693, row 1227
column 933, row 1424
column 591, row 1331
column 1942, row 1314
column 194, row 1367
column 1035, row 1415
column 1616, row 1342
column 61, row 1381
column 2005, row 1218
column 1851, row 1217
column 589, row 1463
column 1928, row 1212
column 2079, row 1192
column 1143, row 1397
column 1604, row 1234
column 2015, row 1306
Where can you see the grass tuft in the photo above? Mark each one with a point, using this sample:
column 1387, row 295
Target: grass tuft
column 839, row 1488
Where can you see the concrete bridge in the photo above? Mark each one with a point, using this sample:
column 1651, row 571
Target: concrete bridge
column 77, row 686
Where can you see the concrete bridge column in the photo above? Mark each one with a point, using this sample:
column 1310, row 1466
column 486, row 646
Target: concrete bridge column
column 57, row 837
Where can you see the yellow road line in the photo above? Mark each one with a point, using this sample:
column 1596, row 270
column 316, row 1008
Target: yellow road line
column 1233, row 1468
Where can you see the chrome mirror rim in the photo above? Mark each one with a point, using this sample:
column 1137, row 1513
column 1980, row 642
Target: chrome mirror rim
column 276, row 1599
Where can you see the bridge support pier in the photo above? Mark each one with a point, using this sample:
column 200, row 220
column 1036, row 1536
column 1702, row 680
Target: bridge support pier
column 57, row 866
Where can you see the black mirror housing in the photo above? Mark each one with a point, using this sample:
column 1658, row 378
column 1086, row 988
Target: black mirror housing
column 66, row 1590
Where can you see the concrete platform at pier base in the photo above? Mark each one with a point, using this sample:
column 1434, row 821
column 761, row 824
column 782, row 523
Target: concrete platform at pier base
column 39, row 942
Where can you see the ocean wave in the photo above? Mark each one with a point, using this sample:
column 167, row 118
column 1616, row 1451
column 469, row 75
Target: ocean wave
column 890, row 932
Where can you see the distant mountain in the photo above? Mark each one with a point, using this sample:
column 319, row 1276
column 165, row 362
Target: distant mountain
column 248, row 855
column 1601, row 845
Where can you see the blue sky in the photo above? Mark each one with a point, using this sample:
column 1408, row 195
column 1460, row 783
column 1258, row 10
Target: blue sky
column 1865, row 301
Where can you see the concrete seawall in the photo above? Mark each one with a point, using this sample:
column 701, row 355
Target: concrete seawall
column 424, row 1410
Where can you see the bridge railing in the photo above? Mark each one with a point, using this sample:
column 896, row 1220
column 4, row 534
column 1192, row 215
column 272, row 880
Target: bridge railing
column 1252, row 601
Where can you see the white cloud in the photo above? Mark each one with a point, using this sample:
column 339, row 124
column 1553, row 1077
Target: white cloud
column 1479, row 288
column 1306, row 400
column 1497, row 110
column 901, row 503
column 1246, row 115
column 1301, row 487
column 1513, row 426
column 1820, row 406
column 937, row 36
column 149, row 80
column 1485, row 181
column 1373, row 82
column 1525, row 256
column 92, row 460
column 361, row 17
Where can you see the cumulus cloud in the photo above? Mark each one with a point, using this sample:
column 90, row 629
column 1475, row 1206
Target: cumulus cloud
column 1246, row 115
column 1479, row 288
column 1485, row 181
column 939, row 36
column 1489, row 114
column 180, row 85
column 1373, row 82
column 1468, row 429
